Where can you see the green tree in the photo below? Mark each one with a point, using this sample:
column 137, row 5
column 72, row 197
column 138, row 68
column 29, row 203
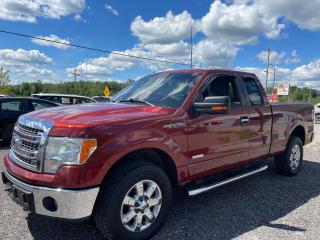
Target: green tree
column 4, row 77
column 4, row 81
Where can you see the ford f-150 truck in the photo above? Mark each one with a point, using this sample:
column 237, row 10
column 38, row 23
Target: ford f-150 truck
column 118, row 162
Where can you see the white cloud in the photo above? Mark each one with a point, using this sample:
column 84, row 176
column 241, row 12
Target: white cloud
column 9, row 56
column 111, row 9
column 27, row 64
column 35, row 72
column 29, row 11
column 52, row 37
column 176, row 52
column 163, row 30
column 79, row 18
column 304, row 14
column 104, row 66
column 214, row 53
column 275, row 57
column 307, row 72
column 294, row 58
column 241, row 23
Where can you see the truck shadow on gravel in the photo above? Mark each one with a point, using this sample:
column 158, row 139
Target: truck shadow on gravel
column 223, row 213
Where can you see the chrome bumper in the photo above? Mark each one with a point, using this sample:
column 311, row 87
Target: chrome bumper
column 68, row 204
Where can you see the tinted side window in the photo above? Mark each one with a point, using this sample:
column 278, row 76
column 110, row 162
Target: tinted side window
column 87, row 100
column 253, row 91
column 221, row 86
column 78, row 101
column 13, row 105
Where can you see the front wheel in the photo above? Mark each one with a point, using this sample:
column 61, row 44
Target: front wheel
column 289, row 163
column 134, row 203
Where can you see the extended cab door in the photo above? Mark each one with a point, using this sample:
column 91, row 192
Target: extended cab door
column 217, row 142
column 260, row 121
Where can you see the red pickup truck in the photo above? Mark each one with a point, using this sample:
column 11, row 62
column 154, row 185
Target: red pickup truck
column 118, row 162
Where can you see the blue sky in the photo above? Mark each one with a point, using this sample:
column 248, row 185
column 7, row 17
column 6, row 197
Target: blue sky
column 233, row 34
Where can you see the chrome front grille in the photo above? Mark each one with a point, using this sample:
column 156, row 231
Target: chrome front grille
column 27, row 130
column 28, row 142
column 25, row 145
column 28, row 146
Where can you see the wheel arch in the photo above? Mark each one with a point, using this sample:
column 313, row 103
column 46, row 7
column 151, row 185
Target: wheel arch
column 299, row 131
column 152, row 155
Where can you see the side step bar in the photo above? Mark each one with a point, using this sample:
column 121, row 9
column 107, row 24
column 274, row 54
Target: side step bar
column 193, row 192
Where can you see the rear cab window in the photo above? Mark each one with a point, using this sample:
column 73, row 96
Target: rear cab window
column 252, row 90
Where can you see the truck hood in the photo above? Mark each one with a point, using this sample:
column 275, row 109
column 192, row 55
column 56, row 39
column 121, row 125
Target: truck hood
column 99, row 113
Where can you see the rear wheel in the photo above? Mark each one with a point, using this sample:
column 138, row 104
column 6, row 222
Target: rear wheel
column 289, row 163
column 134, row 202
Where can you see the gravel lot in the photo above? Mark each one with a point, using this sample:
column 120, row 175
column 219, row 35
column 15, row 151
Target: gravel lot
column 265, row 206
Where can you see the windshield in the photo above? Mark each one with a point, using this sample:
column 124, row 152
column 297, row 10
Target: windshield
column 162, row 89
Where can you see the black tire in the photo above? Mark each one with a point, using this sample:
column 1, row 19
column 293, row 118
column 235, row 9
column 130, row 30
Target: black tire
column 112, row 193
column 282, row 162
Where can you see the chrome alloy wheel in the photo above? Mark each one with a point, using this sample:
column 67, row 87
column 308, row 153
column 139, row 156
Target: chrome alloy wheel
column 295, row 156
column 141, row 206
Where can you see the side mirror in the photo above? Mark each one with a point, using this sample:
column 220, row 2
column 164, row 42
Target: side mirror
column 213, row 105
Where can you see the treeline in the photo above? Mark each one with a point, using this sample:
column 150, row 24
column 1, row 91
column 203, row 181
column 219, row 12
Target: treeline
column 300, row 95
column 84, row 88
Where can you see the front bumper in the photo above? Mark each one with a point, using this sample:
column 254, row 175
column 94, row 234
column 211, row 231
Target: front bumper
column 59, row 203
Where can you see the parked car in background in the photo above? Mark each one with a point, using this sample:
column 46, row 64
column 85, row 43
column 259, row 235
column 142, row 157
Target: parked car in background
column 65, row 99
column 1, row 96
column 101, row 99
column 317, row 113
column 119, row 162
column 12, row 108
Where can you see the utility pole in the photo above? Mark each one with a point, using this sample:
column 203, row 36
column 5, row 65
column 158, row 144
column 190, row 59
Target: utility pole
column 75, row 75
column 274, row 77
column 191, row 48
column 268, row 65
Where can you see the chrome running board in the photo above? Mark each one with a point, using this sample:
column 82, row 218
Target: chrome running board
column 201, row 189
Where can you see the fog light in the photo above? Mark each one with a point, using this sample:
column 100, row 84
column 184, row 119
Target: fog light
column 50, row 204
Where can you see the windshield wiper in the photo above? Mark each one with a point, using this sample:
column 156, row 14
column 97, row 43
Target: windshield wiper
column 133, row 100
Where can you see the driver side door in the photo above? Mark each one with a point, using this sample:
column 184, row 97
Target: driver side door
column 217, row 142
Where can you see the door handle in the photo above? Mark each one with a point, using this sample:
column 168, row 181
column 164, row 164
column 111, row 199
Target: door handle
column 244, row 120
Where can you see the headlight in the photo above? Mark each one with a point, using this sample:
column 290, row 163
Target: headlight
column 67, row 151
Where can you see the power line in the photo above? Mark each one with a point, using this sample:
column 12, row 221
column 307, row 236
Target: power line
column 92, row 49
